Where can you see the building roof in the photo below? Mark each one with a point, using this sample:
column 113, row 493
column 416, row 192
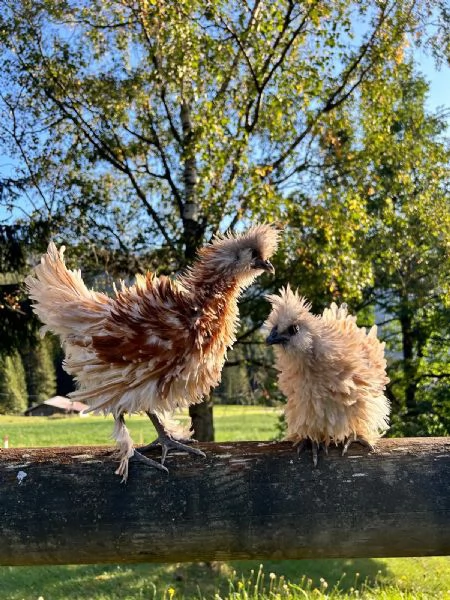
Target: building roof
column 66, row 403
column 62, row 403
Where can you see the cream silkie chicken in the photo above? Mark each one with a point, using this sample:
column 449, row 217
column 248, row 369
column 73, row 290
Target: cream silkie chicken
column 331, row 371
column 157, row 345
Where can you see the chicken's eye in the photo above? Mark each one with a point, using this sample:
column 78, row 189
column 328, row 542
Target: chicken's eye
column 255, row 253
column 293, row 329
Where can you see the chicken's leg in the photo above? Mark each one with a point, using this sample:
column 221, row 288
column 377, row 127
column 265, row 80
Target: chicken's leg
column 167, row 442
column 126, row 449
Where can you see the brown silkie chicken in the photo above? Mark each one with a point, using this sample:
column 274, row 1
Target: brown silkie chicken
column 157, row 345
column 332, row 373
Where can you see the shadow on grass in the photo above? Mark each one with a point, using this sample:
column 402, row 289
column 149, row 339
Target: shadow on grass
column 186, row 580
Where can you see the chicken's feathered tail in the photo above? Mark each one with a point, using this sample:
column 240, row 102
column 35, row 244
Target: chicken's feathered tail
column 61, row 299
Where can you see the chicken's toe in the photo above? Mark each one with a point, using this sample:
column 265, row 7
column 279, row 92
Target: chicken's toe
column 168, row 443
column 171, row 444
column 315, row 448
column 358, row 440
column 148, row 461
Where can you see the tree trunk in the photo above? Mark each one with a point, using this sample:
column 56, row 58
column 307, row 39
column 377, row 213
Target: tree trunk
column 409, row 367
column 202, row 421
column 193, row 229
column 201, row 414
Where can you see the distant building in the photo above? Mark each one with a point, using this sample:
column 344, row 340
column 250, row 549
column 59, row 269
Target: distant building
column 59, row 405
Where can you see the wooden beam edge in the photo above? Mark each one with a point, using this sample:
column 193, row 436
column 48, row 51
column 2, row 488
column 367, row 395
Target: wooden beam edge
column 74, row 454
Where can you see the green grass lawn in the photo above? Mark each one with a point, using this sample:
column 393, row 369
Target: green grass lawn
column 377, row 579
column 231, row 423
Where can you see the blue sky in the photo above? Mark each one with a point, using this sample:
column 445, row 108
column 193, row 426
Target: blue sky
column 439, row 80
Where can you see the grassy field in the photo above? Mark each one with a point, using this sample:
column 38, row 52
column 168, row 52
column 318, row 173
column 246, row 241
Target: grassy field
column 377, row 579
column 259, row 424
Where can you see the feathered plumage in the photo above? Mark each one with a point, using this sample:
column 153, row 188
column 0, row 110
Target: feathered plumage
column 157, row 345
column 331, row 371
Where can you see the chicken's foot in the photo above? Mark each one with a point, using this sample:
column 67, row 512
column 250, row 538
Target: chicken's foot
column 358, row 440
column 126, row 450
column 315, row 448
column 167, row 442
column 148, row 461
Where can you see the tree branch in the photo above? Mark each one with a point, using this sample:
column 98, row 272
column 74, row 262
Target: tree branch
column 335, row 99
column 432, row 376
column 253, row 15
column 277, row 63
column 156, row 60
column 104, row 149
column 24, row 156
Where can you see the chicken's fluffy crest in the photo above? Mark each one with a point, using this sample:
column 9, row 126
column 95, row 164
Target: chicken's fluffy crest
column 287, row 308
column 263, row 237
column 226, row 252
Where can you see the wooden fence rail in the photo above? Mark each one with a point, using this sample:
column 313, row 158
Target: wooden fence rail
column 245, row 500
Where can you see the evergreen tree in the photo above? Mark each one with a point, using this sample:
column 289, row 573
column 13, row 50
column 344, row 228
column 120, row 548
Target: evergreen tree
column 13, row 387
column 40, row 371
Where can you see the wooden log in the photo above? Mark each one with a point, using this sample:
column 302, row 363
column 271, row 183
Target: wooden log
column 245, row 500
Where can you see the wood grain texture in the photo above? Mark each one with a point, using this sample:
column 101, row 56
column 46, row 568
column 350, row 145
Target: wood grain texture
column 245, row 500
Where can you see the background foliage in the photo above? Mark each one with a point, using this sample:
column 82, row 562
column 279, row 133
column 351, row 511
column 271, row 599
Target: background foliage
column 136, row 129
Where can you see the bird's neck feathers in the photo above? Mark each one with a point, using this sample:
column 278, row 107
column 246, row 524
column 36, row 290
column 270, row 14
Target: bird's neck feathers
column 229, row 260
column 214, row 273
column 210, row 288
column 215, row 293
column 204, row 280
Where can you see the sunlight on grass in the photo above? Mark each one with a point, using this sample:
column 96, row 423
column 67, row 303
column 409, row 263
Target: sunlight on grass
column 369, row 579
column 231, row 423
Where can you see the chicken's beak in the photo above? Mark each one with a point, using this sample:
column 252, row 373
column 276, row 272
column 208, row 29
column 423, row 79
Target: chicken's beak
column 265, row 265
column 275, row 338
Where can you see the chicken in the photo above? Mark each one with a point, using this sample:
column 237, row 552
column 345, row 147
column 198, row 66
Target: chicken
column 332, row 373
column 157, row 345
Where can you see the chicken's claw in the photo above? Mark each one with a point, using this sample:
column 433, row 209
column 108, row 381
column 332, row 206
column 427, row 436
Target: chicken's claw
column 148, row 461
column 315, row 448
column 168, row 443
column 358, row 440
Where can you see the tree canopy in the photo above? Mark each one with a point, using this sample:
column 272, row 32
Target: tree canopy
column 138, row 128
column 149, row 124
